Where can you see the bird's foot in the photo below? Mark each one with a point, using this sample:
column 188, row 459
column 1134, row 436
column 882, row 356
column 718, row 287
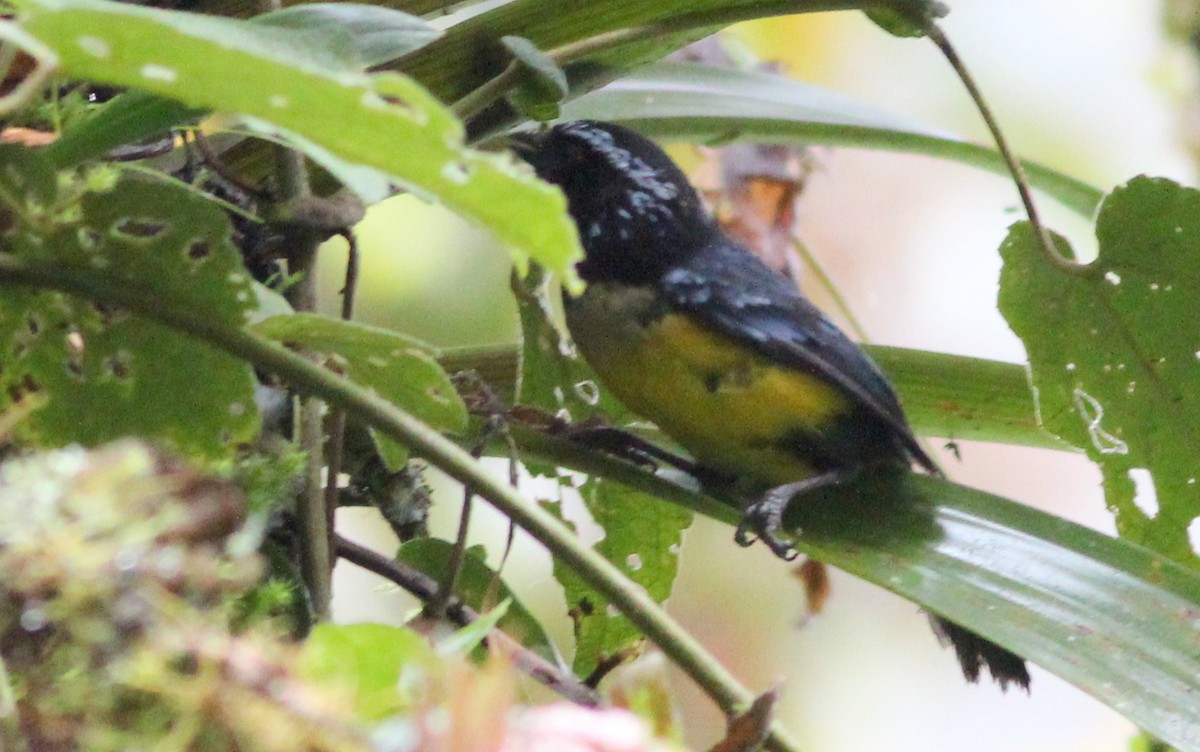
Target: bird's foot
column 762, row 519
column 628, row 446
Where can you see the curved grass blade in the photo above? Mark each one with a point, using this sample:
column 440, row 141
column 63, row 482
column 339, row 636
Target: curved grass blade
column 1116, row 619
column 1119, row 621
column 704, row 103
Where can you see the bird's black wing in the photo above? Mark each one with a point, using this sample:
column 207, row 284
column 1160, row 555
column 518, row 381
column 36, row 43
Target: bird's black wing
column 729, row 289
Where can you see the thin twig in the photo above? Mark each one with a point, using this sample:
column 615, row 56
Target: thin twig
column 316, row 559
column 830, row 288
column 939, row 38
column 335, row 444
column 437, row 606
column 495, row 425
column 316, row 562
column 425, row 588
column 350, row 287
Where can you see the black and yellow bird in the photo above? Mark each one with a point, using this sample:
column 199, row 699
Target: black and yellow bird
column 692, row 331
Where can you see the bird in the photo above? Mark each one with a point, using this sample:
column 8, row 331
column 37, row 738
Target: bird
column 690, row 330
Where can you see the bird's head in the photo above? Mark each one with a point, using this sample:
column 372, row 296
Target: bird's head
column 636, row 212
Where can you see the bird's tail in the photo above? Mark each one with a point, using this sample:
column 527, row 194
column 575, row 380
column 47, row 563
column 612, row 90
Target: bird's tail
column 975, row 652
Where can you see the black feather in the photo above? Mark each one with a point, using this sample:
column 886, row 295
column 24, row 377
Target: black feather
column 974, row 652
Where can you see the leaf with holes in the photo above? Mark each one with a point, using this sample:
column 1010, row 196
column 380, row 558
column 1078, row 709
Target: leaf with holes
column 1114, row 350
column 351, row 122
column 400, row 369
column 642, row 535
column 99, row 374
column 553, row 378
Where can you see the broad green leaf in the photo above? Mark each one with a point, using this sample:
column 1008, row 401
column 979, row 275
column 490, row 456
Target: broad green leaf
column 381, row 667
column 704, row 103
column 957, row 397
column 552, row 378
column 247, row 8
column 1114, row 351
column 943, row 395
column 104, row 374
column 475, row 583
column 1113, row 618
column 386, row 122
column 374, row 33
column 398, row 368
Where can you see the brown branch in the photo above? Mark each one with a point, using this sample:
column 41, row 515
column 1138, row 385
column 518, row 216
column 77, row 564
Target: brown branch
column 425, row 588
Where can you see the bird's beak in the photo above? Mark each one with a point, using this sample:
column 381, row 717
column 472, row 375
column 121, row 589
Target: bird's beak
column 527, row 145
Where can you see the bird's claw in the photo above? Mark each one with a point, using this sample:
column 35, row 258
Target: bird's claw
column 763, row 520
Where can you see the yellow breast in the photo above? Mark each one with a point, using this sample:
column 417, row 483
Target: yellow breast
column 732, row 408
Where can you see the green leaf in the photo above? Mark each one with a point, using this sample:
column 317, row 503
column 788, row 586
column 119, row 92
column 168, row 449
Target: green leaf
column 906, row 18
column 1113, row 618
column 102, row 374
column 708, row 104
column 957, row 397
column 458, row 63
column 400, row 369
column 642, row 537
column 379, row 666
column 944, row 395
column 375, row 34
column 470, row 637
column 476, row 581
column 129, row 118
column 385, row 122
column 538, row 95
column 553, row 378
column 1114, row 350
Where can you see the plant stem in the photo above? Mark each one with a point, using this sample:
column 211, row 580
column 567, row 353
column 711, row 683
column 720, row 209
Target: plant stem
column 939, row 38
column 830, row 288
column 426, row 589
column 335, row 455
column 309, row 378
column 312, row 512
